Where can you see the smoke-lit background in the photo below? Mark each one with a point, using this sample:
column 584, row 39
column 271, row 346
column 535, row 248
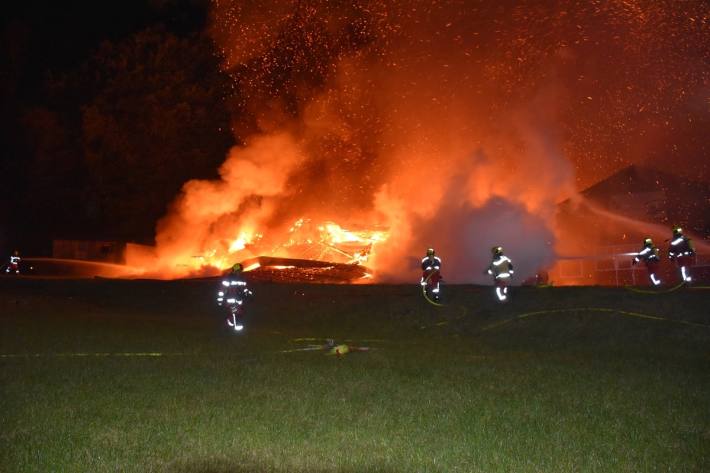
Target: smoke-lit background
column 457, row 125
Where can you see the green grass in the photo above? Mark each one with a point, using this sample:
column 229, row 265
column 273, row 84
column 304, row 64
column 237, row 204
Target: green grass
column 440, row 391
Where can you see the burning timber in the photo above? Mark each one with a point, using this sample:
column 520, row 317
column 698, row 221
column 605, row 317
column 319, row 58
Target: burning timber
column 291, row 270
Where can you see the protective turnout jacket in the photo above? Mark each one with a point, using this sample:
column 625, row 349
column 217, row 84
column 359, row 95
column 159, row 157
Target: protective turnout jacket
column 232, row 291
column 501, row 267
column 649, row 254
column 680, row 246
column 14, row 264
column 431, row 263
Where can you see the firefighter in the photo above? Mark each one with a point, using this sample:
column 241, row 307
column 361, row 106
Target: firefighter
column 681, row 251
column 14, row 265
column 232, row 294
column 501, row 268
column 431, row 273
column 649, row 255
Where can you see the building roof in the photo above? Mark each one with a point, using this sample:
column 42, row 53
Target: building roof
column 646, row 194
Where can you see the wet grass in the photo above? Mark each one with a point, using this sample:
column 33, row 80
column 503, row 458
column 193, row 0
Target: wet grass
column 548, row 382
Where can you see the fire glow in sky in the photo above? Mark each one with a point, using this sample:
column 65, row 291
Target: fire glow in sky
column 373, row 130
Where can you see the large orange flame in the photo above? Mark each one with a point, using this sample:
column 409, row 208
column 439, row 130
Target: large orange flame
column 376, row 130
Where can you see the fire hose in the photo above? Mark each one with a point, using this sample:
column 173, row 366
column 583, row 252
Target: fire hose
column 426, row 283
column 645, row 291
column 592, row 309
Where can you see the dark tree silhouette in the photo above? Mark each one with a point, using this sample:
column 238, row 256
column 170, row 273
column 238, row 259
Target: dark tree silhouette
column 123, row 132
column 158, row 119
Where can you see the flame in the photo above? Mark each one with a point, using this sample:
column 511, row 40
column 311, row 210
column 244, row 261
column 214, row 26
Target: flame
column 245, row 238
column 370, row 131
column 331, row 241
column 238, row 244
column 326, row 241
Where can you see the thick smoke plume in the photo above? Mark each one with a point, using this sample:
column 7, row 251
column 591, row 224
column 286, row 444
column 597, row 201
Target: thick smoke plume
column 453, row 125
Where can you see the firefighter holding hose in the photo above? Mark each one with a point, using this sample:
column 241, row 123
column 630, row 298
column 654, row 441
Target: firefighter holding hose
column 649, row 255
column 13, row 267
column 431, row 274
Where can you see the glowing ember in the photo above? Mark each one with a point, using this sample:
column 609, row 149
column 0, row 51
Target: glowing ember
column 305, row 240
column 453, row 125
column 329, row 241
column 279, row 269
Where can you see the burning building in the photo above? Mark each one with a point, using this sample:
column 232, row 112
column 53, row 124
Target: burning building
column 368, row 132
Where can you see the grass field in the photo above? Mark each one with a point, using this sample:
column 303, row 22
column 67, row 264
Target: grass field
column 141, row 376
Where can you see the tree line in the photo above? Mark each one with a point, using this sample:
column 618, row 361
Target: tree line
column 105, row 146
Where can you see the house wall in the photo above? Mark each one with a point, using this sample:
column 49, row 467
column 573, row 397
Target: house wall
column 90, row 250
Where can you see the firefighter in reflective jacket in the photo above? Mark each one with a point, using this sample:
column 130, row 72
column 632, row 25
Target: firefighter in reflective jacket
column 649, row 255
column 501, row 268
column 232, row 294
column 14, row 265
column 681, row 251
column 431, row 273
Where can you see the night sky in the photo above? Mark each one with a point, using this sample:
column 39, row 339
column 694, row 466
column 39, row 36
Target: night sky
column 109, row 108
